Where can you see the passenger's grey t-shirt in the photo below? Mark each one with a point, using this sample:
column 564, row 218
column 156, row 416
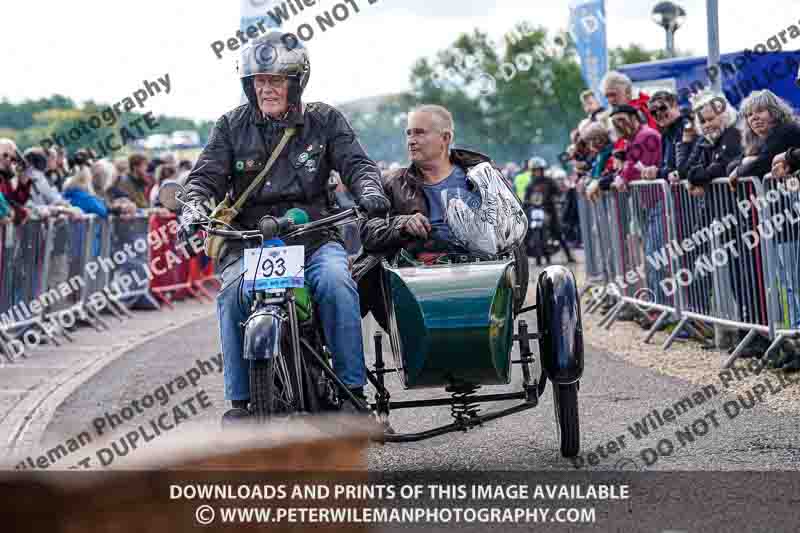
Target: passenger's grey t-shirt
column 439, row 195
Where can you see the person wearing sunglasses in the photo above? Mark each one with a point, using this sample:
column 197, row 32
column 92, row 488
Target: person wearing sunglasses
column 671, row 121
column 702, row 158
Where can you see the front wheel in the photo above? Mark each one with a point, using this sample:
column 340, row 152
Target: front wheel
column 565, row 400
column 272, row 392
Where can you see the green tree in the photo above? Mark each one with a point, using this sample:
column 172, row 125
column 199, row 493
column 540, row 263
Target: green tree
column 509, row 101
column 635, row 53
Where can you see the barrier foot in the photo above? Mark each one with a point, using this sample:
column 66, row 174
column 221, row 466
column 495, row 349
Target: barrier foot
column 674, row 333
column 694, row 330
column 613, row 317
column 612, row 312
column 121, row 307
column 98, row 318
column 149, row 297
column 4, row 349
column 595, row 302
column 114, row 311
column 195, row 294
column 735, row 355
column 64, row 333
column 163, row 298
column 214, row 280
column 585, row 289
column 47, row 333
column 772, row 347
column 202, row 289
column 652, row 331
column 601, row 301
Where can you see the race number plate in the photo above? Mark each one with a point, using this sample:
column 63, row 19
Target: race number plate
column 280, row 267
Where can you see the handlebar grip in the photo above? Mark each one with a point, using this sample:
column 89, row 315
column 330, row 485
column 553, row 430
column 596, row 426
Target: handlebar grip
column 271, row 227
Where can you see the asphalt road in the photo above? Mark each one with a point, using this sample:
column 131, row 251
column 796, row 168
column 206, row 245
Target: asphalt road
column 614, row 395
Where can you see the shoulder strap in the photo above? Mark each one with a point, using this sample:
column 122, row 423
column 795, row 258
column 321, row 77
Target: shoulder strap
column 287, row 134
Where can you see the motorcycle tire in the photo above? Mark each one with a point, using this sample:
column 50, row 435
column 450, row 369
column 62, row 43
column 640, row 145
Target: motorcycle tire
column 271, row 390
column 565, row 400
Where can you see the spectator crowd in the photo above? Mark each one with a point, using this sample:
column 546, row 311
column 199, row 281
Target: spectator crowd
column 41, row 183
column 652, row 137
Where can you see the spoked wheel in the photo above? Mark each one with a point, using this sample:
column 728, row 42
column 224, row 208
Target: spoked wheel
column 565, row 400
column 272, row 389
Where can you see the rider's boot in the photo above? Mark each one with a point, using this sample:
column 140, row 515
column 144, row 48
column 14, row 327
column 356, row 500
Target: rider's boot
column 349, row 408
column 237, row 414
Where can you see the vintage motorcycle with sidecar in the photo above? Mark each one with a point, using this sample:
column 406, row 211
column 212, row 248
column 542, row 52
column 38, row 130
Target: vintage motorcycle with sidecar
column 450, row 326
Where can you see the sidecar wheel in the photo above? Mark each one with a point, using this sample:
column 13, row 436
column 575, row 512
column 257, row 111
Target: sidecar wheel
column 565, row 400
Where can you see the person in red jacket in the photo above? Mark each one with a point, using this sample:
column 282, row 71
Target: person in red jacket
column 15, row 190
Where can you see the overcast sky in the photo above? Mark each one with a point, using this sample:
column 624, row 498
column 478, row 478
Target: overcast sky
column 104, row 49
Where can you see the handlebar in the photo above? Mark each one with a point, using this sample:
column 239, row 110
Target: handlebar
column 270, row 227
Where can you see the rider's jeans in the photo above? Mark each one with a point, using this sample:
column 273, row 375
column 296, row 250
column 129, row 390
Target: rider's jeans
column 334, row 292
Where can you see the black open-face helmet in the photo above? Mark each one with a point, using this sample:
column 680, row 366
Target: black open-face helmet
column 278, row 54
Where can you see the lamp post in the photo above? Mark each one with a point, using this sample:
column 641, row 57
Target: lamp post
column 669, row 16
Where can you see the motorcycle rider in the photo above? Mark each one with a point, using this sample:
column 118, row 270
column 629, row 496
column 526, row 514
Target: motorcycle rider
column 542, row 192
column 274, row 70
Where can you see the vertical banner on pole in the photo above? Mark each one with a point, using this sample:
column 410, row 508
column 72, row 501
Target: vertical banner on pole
column 254, row 11
column 587, row 26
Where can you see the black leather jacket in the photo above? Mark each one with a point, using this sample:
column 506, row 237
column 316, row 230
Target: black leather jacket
column 239, row 147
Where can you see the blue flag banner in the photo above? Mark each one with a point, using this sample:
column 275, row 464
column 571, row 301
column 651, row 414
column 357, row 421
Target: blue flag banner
column 587, row 26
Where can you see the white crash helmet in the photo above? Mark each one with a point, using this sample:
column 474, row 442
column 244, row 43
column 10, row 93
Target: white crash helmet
column 537, row 163
column 496, row 225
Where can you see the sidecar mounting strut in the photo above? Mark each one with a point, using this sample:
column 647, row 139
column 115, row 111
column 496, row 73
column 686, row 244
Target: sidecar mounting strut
column 455, row 426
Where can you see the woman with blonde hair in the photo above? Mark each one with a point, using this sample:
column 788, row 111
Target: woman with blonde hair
column 79, row 191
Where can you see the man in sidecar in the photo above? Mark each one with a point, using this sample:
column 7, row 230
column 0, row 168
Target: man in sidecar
column 448, row 201
column 307, row 141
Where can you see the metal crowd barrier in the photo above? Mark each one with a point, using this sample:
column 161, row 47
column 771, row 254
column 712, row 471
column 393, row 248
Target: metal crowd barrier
column 781, row 214
column 729, row 258
column 186, row 278
column 723, row 275
column 601, row 234
column 595, row 274
column 44, row 275
column 641, row 221
column 136, row 266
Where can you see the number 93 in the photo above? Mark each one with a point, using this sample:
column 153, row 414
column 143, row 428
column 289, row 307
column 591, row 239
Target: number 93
column 273, row 268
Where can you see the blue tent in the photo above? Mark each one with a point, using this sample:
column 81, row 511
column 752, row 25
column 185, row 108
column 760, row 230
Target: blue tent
column 740, row 73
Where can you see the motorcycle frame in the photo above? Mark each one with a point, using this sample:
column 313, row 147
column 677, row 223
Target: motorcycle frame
column 382, row 405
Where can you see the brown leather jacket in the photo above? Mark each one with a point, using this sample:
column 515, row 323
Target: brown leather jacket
column 403, row 187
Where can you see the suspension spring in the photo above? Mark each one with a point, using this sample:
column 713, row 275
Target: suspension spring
column 463, row 407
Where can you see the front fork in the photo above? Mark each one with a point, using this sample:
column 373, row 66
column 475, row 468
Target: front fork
column 287, row 304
